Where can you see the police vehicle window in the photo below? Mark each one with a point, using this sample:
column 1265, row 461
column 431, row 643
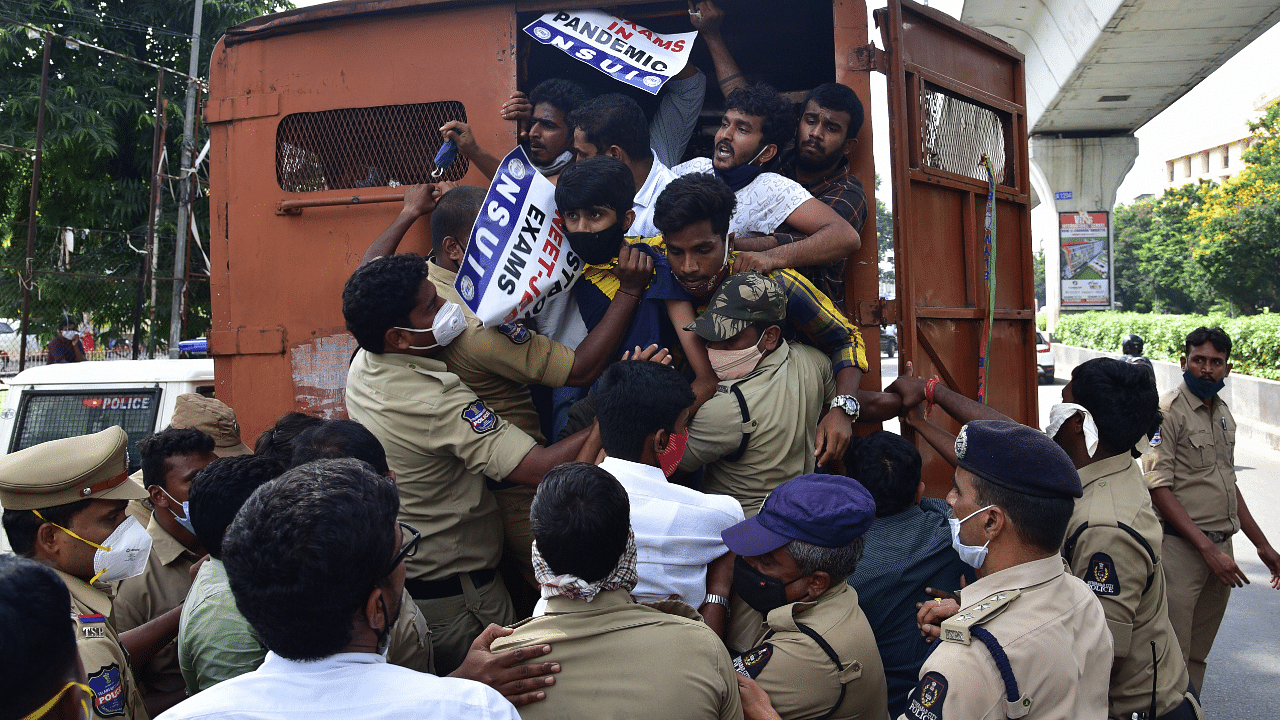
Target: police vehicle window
column 46, row 415
column 957, row 133
column 383, row 146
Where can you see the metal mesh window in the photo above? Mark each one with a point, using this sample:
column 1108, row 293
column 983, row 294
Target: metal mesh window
column 380, row 146
column 955, row 134
column 46, row 415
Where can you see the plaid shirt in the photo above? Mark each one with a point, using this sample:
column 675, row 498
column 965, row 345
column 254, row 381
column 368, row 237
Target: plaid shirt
column 844, row 193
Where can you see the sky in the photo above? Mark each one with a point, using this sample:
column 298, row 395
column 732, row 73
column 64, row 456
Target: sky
column 1212, row 113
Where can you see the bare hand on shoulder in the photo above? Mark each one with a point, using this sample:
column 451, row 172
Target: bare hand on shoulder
column 519, row 684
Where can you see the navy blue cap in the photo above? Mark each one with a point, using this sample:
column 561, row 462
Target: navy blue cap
column 1017, row 457
column 829, row 511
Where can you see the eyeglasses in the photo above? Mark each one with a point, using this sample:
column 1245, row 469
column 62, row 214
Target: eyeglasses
column 408, row 549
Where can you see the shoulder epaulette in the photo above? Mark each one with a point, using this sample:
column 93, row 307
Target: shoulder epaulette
column 957, row 628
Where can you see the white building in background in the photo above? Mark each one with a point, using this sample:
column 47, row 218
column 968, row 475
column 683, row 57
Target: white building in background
column 1218, row 163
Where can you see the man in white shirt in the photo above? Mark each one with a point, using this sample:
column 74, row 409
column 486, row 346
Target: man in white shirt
column 642, row 408
column 614, row 125
column 757, row 122
column 316, row 561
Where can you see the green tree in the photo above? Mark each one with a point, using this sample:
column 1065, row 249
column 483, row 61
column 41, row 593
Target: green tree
column 1037, row 271
column 884, row 236
column 1155, row 270
column 1236, row 239
column 99, row 120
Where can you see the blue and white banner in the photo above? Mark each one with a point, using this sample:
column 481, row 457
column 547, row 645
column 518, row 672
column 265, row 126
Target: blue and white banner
column 517, row 256
column 620, row 49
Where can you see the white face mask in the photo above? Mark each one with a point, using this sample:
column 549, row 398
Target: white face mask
column 971, row 555
column 734, row 364
column 124, row 554
column 1060, row 413
column 69, row 334
column 448, row 325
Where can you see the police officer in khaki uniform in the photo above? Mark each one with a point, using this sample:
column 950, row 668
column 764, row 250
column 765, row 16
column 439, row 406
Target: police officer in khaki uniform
column 170, row 460
column 64, row 504
column 815, row 654
column 498, row 364
column 442, row 442
column 1113, row 537
column 619, row 659
column 1192, row 478
column 213, row 418
column 759, row 429
column 1030, row 640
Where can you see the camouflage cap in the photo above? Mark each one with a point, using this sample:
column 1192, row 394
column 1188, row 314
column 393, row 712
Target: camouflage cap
column 741, row 300
column 214, row 418
column 60, row 472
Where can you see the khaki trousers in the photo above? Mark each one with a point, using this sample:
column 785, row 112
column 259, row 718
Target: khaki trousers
column 1197, row 601
column 456, row 621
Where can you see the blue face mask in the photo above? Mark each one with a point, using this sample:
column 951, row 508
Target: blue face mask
column 1203, row 389
column 185, row 518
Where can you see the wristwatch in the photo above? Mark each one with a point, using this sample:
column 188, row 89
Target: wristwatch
column 717, row 600
column 849, row 404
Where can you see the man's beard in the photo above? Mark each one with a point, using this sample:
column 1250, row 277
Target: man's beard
column 809, row 165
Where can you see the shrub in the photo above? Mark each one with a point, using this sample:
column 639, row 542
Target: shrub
column 1255, row 338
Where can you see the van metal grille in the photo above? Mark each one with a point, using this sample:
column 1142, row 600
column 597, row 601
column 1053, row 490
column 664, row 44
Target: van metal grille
column 381, row 146
column 45, row 415
column 956, row 133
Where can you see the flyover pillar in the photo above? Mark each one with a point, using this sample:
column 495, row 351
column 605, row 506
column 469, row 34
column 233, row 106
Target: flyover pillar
column 1076, row 175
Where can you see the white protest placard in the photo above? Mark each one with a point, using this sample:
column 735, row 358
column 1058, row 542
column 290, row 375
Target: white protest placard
column 517, row 256
column 618, row 48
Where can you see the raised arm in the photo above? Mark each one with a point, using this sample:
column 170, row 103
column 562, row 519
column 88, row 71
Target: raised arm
column 460, row 133
column 706, row 17
column 419, row 200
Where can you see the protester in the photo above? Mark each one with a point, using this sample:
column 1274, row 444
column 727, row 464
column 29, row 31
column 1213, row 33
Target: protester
column 549, row 141
column 325, row 538
column 619, row 659
column 276, row 442
column 170, row 460
column 907, row 551
column 40, row 673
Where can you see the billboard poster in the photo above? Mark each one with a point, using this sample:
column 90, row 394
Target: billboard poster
column 1084, row 241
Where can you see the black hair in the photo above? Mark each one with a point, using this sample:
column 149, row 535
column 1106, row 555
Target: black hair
column 635, row 399
column 1121, row 397
column 581, row 519
column 840, row 98
column 221, row 489
column 455, row 214
column 277, row 441
column 1041, row 522
column 340, row 439
column 22, row 525
column 601, row 181
column 39, row 639
column 379, row 295
column 888, row 466
column 156, row 449
column 691, row 198
column 777, row 119
column 565, row 95
column 614, row 119
column 306, row 550
column 1217, row 336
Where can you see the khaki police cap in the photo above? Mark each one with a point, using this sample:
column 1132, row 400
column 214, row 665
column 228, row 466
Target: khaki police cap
column 60, row 472
column 212, row 417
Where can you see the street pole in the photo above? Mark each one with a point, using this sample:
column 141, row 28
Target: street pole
column 157, row 148
column 28, row 276
column 185, row 188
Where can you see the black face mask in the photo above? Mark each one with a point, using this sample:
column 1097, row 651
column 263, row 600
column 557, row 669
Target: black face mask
column 597, row 248
column 1203, row 389
column 740, row 176
column 758, row 590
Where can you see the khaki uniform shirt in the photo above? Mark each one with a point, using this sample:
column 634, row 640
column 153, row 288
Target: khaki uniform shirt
column 1195, row 457
column 621, row 660
column 499, row 364
column 441, row 442
column 1119, row 569
column 785, row 394
column 160, row 588
column 106, row 664
column 1056, row 639
column 801, row 679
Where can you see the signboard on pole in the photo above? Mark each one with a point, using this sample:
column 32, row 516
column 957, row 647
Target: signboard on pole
column 517, row 256
column 620, row 49
column 1084, row 241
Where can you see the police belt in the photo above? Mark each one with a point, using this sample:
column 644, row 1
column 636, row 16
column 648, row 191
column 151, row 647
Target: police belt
column 1214, row 537
column 448, row 587
column 1185, row 710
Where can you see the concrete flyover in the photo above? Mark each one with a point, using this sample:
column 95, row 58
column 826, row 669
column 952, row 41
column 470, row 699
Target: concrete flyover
column 1097, row 70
